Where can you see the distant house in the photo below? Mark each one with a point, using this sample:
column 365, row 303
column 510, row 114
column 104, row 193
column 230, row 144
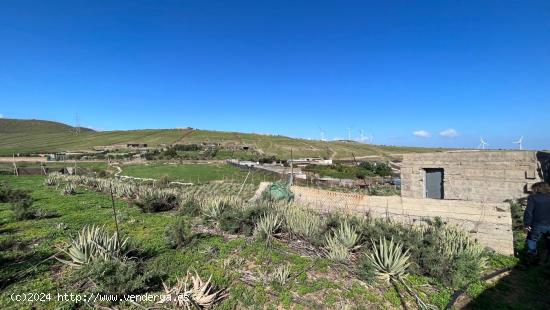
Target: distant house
column 311, row 160
column 136, row 145
column 247, row 163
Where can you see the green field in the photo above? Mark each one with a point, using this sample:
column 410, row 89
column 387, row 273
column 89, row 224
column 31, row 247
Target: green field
column 16, row 137
column 196, row 173
column 8, row 167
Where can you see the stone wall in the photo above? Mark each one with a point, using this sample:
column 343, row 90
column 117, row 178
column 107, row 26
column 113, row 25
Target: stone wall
column 489, row 223
column 482, row 176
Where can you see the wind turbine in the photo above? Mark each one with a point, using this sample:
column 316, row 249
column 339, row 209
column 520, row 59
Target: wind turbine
column 519, row 143
column 322, row 134
column 349, row 133
column 482, row 143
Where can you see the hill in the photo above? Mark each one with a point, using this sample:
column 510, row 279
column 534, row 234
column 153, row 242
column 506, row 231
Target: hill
column 14, row 126
column 33, row 136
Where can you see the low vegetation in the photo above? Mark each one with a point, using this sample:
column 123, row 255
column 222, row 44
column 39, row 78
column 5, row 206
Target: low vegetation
column 223, row 251
column 360, row 171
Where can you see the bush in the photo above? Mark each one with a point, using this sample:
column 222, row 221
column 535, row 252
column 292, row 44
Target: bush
column 435, row 249
column 156, row 201
column 8, row 194
column 22, row 209
column 190, row 207
column 365, row 270
column 241, row 221
column 179, row 233
column 117, row 278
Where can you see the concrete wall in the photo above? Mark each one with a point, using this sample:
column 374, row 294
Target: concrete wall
column 544, row 162
column 482, row 176
column 489, row 223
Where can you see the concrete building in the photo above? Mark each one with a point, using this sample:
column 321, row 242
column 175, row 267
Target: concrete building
column 311, row 160
column 481, row 176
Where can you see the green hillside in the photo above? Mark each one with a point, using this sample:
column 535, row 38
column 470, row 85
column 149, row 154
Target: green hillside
column 32, row 136
column 13, row 126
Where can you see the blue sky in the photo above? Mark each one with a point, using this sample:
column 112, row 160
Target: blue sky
column 389, row 68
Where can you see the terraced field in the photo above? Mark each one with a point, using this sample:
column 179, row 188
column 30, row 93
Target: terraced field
column 17, row 137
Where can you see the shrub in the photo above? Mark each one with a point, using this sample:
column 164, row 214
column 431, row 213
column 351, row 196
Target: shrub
column 436, row 249
column 157, row 201
column 22, row 209
column 116, row 277
column 179, row 233
column 8, row 194
column 242, row 221
column 94, row 243
column 190, row 207
column 365, row 269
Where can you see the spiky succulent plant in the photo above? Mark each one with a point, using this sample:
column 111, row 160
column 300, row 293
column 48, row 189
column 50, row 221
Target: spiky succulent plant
column 335, row 250
column 267, row 226
column 347, row 234
column 191, row 292
column 388, row 259
column 94, row 243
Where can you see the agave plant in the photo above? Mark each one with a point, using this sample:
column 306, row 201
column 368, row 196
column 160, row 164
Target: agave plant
column 94, row 243
column 347, row 234
column 281, row 275
column 197, row 294
column 214, row 208
column 389, row 260
column 300, row 221
column 52, row 179
column 69, row 189
column 267, row 227
column 335, row 250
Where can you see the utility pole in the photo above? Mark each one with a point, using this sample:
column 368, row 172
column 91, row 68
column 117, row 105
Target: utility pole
column 114, row 214
column 15, row 166
column 291, row 168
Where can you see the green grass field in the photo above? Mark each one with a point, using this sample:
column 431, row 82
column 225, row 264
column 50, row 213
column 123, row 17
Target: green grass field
column 16, row 137
column 196, row 173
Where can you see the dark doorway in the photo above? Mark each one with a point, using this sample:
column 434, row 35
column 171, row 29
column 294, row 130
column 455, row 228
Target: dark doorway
column 434, row 183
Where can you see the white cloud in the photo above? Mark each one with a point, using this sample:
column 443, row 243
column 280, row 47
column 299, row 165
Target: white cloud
column 1, row 115
column 422, row 134
column 449, row 133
